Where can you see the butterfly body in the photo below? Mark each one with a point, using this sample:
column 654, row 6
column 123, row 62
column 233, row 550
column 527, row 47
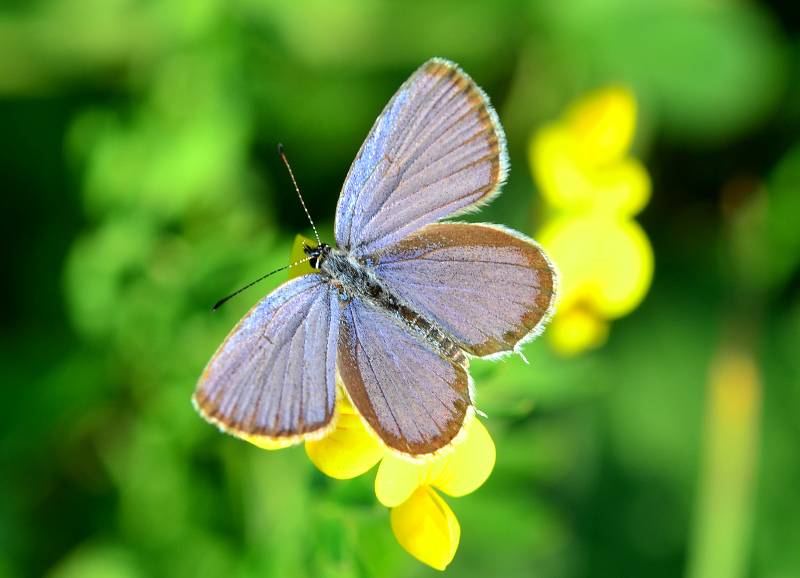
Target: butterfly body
column 402, row 300
column 355, row 279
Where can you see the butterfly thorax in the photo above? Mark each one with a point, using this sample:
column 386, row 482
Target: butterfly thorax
column 357, row 280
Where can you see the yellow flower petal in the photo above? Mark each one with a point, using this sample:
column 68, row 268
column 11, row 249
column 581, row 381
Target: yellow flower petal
column 297, row 254
column 576, row 330
column 620, row 293
column 569, row 181
column 561, row 179
column 621, row 190
column 457, row 473
column 343, row 399
column 469, row 465
column 267, row 444
column 602, row 124
column 397, row 479
column 605, row 263
column 427, row 528
column 348, row 451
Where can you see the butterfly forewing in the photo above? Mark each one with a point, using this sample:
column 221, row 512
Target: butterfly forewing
column 487, row 287
column 274, row 376
column 436, row 149
column 414, row 399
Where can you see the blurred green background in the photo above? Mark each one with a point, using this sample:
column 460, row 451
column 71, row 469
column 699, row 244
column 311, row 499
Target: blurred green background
column 141, row 183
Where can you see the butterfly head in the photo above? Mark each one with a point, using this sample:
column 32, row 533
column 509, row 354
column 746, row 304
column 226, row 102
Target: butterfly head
column 318, row 254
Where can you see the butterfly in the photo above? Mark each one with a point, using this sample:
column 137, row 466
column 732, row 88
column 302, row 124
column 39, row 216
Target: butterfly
column 396, row 309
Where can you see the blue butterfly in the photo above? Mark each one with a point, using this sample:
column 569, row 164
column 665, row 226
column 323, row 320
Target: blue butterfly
column 400, row 304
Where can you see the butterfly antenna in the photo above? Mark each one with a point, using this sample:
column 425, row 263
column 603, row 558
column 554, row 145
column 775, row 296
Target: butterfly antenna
column 296, row 188
column 221, row 301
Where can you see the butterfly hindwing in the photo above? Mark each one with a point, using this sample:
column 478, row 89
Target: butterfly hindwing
column 488, row 287
column 412, row 397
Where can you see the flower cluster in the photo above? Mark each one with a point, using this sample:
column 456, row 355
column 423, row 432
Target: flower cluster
column 421, row 520
column 593, row 189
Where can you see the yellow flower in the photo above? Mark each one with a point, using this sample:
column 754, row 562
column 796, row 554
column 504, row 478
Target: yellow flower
column 426, row 527
column 349, row 450
column 593, row 190
column 421, row 520
column 265, row 444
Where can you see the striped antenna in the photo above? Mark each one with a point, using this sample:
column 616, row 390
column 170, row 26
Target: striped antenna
column 296, row 188
column 234, row 294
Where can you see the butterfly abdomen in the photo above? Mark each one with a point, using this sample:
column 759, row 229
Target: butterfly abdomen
column 428, row 331
column 356, row 280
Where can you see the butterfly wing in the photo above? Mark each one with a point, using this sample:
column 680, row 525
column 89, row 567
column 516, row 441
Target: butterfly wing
column 436, row 149
column 274, row 376
column 414, row 399
column 488, row 287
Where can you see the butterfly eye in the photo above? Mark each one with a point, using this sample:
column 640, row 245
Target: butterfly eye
column 313, row 253
column 316, row 254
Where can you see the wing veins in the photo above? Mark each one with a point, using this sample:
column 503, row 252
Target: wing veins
column 479, row 192
column 388, row 147
column 416, row 392
column 466, row 128
column 372, row 370
column 417, row 122
column 398, row 148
